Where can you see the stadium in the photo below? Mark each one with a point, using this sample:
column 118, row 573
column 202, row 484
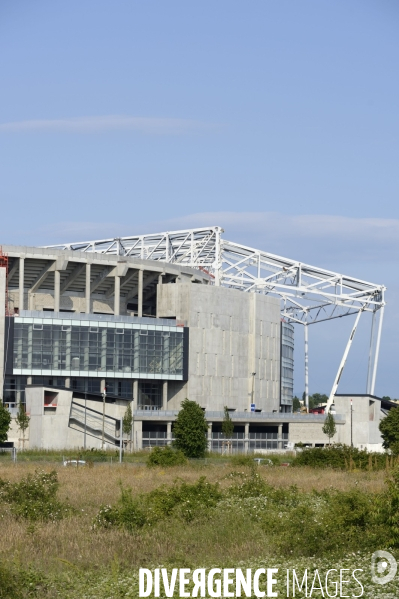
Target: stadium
column 89, row 327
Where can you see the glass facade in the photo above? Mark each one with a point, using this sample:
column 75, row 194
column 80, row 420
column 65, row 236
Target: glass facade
column 97, row 348
column 287, row 365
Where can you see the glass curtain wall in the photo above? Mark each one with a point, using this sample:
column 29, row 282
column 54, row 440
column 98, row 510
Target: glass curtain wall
column 62, row 348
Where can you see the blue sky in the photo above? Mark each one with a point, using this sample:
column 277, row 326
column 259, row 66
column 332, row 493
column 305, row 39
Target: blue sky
column 275, row 119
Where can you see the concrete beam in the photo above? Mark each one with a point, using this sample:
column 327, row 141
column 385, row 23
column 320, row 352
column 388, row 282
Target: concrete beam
column 41, row 277
column 13, row 270
column 77, row 271
column 100, row 278
column 87, row 287
column 21, row 282
column 134, row 292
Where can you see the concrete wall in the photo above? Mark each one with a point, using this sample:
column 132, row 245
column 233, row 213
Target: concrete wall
column 366, row 417
column 232, row 334
column 54, row 430
column 68, row 301
column 2, row 325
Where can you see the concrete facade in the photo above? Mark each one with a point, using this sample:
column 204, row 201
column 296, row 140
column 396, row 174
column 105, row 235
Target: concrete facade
column 232, row 359
column 61, row 425
column 3, row 341
column 232, row 334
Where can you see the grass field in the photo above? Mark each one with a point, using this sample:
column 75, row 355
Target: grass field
column 77, row 560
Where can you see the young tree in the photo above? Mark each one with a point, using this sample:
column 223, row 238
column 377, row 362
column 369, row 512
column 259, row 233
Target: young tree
column 389, row 428
column 127, row 423
column 296, row 404
column 22, row 421
column 5, row 421
column 227, row 424
column 227, row 427
column 329, row 427
column 190, row 430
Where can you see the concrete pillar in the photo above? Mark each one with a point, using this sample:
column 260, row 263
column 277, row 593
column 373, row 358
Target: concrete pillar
column 137, row 435
column 87, row 289
column 57, row 279
column 136, row 393
column 140, row 294
column 280, row 437
column 246, row 438
column 2, row 324
column 165, row 395
column 168, row 433
column 117, row 296
column 102, row 385
column 67, row 382
column 210, row 436
column 21, row 283
column 28, row 380
column 159, row 283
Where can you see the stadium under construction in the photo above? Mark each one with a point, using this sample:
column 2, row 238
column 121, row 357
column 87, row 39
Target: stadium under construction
column 88, row 327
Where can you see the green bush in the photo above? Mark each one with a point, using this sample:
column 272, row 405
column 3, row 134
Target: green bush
column 10, row 584
column 190, row 430
column 183, row 501
column 341, row 457
column 93, row 455
column 34, row 497
column 166, row 457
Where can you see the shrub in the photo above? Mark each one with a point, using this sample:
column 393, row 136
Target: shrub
column 5, row 422
column 183, row 501
column 93, row 455
column 190, row 430
column 34, row 497
column 342, row 457
column 389, row 428
column 166, row 457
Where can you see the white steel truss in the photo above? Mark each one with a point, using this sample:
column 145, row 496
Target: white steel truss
column 308, row 294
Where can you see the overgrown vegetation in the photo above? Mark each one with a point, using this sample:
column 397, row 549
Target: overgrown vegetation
column 183, row 501
column 239, row 514
column 166, row 457
column 295, row 523
column 34, row 498
column 343, row 457
column 389, row 427
column 5, row 421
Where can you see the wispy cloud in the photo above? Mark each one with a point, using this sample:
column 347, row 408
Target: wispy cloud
column 95, row 124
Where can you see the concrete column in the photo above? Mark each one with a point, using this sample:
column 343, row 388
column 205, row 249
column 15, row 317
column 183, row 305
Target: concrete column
column 280, row 437
column 165, row 395
column 117, row 296
column 87, row 289
column 2, row 324
column 102, row 385
column 67, row 382
column 159, row 283
column 246, row 438
column 210, row 436
column 137, row 435
column 28, row 380
column 136, row 393
column 57, row 279
column 140, row 294
column 21, row 283
column 168, row 433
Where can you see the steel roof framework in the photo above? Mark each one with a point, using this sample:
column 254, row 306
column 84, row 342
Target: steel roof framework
column 308, row 294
